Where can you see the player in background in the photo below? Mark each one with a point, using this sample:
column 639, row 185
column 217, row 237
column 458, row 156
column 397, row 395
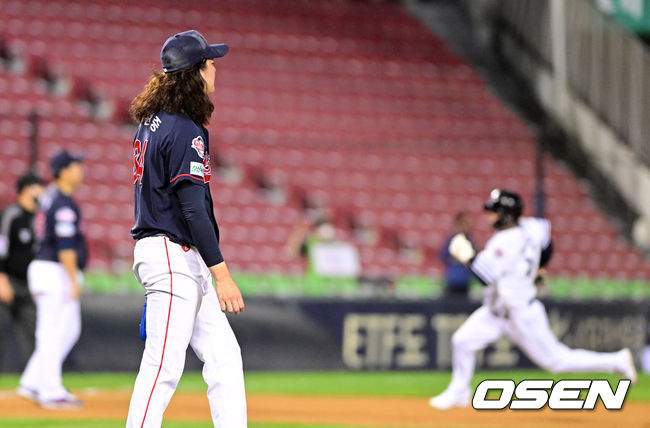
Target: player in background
column 458, row 277
column 508, row 266
column 55, row 279
column 177, row 251
column 16, row 252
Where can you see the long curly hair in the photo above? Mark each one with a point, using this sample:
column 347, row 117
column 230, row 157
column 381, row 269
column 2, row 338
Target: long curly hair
column 181, row 93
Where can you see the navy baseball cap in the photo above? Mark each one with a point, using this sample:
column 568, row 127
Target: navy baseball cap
column 62, row 159
column 185, row 49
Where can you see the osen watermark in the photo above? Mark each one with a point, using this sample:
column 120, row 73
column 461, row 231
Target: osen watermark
column 533, row 394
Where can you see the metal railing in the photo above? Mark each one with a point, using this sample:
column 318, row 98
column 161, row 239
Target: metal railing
column 607, row 67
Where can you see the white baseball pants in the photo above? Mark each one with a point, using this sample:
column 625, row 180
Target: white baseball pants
column 182, row 309
column 58, row 326
column 529, row 329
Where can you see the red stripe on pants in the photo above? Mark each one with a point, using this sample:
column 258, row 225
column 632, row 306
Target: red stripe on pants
column 171, row 295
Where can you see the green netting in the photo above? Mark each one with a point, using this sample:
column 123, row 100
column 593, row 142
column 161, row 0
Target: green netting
column 608, row 289
column 418, row 287
column 273, row 284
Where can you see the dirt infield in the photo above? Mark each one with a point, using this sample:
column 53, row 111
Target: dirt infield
column 360, row 411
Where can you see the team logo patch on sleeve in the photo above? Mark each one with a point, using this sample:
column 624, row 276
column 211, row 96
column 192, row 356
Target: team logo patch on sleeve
column 65, row 214
column 196, row 168
column 64, row 226
column 25, row 235
column 4, row 246
column 65, row 229
column 197, row 144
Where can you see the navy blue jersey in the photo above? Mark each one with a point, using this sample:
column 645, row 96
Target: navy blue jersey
column 168, row 150
column 57, row 226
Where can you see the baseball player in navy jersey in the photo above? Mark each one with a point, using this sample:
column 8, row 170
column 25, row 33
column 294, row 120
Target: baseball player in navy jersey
column 508, row 267
column 177, row 251
column 54, row 279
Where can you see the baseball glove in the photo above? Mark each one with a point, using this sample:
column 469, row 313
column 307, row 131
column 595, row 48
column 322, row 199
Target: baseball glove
column 461, row 248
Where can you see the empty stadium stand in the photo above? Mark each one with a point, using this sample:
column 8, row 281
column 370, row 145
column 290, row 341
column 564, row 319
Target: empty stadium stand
column 355, row 105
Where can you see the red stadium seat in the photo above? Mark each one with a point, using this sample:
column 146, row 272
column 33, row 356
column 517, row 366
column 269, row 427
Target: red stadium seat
column 354, row 103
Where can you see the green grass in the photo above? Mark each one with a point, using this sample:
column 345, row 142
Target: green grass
column 404, row 384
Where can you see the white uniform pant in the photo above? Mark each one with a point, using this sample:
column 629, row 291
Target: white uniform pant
column 58, row 326
column 182, row 309
column 529, row 329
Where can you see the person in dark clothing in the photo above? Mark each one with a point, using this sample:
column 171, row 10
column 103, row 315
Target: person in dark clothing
column 458, row 277
column 16, row 252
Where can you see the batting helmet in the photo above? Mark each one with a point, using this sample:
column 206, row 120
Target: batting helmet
column 507, row 204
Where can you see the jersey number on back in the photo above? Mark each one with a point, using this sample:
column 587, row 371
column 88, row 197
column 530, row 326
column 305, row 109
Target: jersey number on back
column 529, row 253
column 138, row 160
